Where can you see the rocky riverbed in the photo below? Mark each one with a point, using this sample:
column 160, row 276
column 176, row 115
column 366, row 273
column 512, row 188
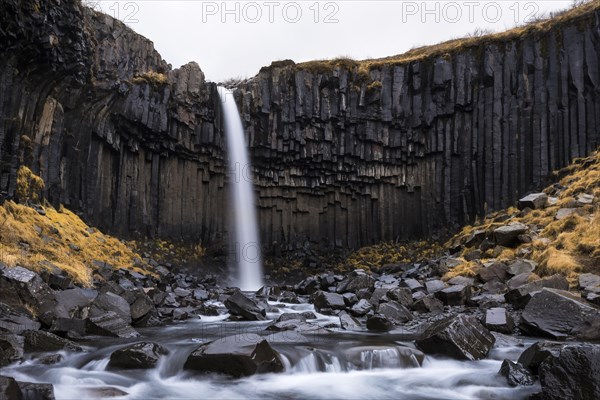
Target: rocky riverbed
column 398, row 332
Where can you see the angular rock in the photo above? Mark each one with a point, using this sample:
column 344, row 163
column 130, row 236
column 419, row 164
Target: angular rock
column 434, row 285
column 428, row 304
column 455, row 295
column 144, row 355
column 245, row 307
column 348, row 322
column 573, row 374
column 142, row 305
column 516, row 374
column 109, row 324
column 9, row 389
column 499, row 320
column 357, row 280
column 110, row 302
column 14, row 321
column 361, row 308
column 507, row 235
column 379, row 323
column 235, row 356
column 534, row 355
column 461, row 337
column 402, row 295
column 561, row 315
column 520, row 296
column 413, row 284
column 40, row 341
column 519, row 267
column 518, row 280
column 589, row 281
column 494, row 271
column 326, row 302
column 535, row 201
column 395, row 312
column 11, row 349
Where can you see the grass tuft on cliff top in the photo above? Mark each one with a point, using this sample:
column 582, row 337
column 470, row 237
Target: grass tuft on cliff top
column 59, row 239
column 581, row 11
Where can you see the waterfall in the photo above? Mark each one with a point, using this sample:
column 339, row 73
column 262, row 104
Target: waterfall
column 246, row 246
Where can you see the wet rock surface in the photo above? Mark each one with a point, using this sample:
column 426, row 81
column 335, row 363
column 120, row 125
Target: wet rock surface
column 143, row 355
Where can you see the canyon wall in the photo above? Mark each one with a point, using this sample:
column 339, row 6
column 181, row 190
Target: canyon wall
column 342, row 155
column 91, row 107
column 419, row 146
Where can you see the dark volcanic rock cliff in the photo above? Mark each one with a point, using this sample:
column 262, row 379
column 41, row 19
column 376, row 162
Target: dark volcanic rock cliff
column 84, row 102
column 420, row 145
column 340, row 156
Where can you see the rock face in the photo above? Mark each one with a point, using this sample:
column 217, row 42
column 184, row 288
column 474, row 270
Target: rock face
column 561, row 315
column 461, row 337
column 430, row 143
column 235, row 356
column 341, row 155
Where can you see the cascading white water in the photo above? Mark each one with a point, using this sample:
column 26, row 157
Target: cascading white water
column 247, row 245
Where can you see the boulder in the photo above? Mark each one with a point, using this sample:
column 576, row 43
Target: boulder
column 141, row 306
column 357, row 280
column 350, row 299
column 72, row 300
column 455, row 295
column 14, row 321
column 461, row 337
column 379, row 323
column 11, row 349
column 561, row 315
column 326, row 302
column 68, row 327
column 144, row 355
column 520, row 296
column 534, row 201
column 240, row 305
column 9, row 389
column 30, row 288
column 428, row 304
column 499, row 320
column 235, row 356
column 402, row 295
column 109, row 324
column 534, row 355
column 308, row 286
column 361, row 308
column 348, row 322
column 572, row 374
column 520, row 267
column 110, row 302
column 589, row 281
column 291, row 316
column 41, row 341
column 395, row 312
column 516, row 374
column 413, row 284
column 518, row 280
column 434, row 285
column 37, row 391
column 493, row 271
column 508, row 235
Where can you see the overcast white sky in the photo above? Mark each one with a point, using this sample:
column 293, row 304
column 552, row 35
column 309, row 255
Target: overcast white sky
column 235, row 38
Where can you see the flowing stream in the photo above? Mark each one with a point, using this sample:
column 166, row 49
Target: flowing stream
column 330, row 364
column 247, row 245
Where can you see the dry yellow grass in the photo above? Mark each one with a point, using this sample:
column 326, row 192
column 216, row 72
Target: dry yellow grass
column 29, row 185
column 59, row 238
column 581, row 14
column 465, row 268
column 568, row 246
column 151, row 77
column 380, row 254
